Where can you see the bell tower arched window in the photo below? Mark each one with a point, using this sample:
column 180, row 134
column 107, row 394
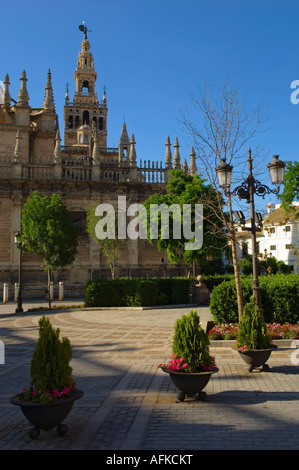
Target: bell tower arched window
column 85, row 86
column 85, row 117
column 101, row 123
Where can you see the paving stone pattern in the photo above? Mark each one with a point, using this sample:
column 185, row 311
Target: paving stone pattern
column 129, row 404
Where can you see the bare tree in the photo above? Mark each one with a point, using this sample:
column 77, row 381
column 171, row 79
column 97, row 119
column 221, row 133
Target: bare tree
column 222, row 133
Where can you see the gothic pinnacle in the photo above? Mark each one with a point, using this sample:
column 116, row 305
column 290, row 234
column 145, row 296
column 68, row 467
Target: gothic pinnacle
column 132, row 150
column 192, row 168
column 168, row 157
column 176, row 156
column 49, row 101
column 23, row 96
column 7, row 97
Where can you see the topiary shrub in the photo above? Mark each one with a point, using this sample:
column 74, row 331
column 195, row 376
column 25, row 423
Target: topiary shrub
column 51, row 373
column 191, row 343
column 279, row 296
column 252, row 331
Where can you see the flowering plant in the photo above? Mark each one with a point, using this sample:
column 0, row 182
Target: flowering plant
column 51, row 373
column 190, row 347
column 34, row 394
column 175, row 365
column 178, row 365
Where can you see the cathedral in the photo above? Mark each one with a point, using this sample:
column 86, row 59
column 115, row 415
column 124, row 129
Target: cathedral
column 84, row 172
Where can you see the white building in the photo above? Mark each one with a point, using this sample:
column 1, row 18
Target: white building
column 279, row 236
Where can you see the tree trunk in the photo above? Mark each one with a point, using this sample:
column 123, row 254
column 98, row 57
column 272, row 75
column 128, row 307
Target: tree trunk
column 49, row 284
column 235, row 262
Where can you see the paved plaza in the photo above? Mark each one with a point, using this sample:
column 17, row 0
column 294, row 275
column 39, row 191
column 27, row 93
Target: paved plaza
column 130, row 404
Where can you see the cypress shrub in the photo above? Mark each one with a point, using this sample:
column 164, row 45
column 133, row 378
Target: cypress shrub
column 50, row 368
column 252, row 331
column 191, row 342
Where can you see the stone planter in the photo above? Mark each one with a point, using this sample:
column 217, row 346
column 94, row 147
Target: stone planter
column 190, row 384
column 46, row 416
column 256, row 358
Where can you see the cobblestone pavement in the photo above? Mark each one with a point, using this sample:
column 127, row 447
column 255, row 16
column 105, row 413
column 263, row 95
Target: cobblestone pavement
column 129, row 404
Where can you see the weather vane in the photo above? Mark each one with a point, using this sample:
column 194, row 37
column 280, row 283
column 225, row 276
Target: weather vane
column 84, row 29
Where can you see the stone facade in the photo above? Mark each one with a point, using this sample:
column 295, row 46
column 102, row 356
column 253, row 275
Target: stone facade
column 83, row 172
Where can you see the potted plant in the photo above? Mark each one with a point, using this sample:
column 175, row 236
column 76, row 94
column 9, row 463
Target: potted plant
column 254, row 340
column 50, row 396
column 191, row 366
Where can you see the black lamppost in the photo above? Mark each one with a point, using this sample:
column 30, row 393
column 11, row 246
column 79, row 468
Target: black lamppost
column 19, row 246
column 247, row 190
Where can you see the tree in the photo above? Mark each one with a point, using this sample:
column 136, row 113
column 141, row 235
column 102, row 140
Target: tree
column 186, row 191
column 223, row 129
column 291, row 188
column 111, row 246
column 48, row 231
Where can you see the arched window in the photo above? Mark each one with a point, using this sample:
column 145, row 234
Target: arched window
column 85, row 117
column 101, row 123
column 86, row 140
column 77, row 122
column 70, row 122
column 85, row 86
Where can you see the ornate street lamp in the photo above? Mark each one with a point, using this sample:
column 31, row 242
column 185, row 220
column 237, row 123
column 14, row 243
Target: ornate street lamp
column 247, row 190
column 19, row 308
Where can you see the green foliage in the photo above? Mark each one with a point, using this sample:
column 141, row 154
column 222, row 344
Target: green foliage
column 279, row 296
column 48, row 231
column 291, row 187
column 136, row 292
column 50, row 365
column 185, row 189
column 252, row 331
column 191, row 342
column 267, row 265
column 112, row 245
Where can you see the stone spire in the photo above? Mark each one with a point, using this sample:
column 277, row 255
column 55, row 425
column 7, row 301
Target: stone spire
column 7, row 97
column 104, row 99
column 95, row 149
column 49, row 101
column 18, row 147
column 176, row 155
column 124, row 138
column 57, row 150
column 23, row 96
column 192, row 168
column 132, row 156
column 67, row 98
column 168, row 157
column 185, row 167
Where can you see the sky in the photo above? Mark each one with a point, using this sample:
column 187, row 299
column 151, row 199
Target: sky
column 150, row 54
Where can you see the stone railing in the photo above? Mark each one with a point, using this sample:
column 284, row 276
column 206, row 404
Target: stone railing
column 81, row 169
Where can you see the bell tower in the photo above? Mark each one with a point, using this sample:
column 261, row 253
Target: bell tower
column 85, row 114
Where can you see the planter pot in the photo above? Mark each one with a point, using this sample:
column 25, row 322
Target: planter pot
column 46, row 416
column 190, row 383
column 256, row 358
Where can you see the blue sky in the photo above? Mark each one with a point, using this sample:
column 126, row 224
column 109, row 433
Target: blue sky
column 150, row 53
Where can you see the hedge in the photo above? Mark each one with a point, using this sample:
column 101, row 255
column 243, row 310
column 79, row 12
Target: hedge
column 279, row 296
column 122, row 292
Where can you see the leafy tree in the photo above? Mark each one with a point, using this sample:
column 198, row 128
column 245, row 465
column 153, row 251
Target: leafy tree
column 291, row 187
column 111, row 246
column 189, row 190
column 48, row 231
column 220, row 130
